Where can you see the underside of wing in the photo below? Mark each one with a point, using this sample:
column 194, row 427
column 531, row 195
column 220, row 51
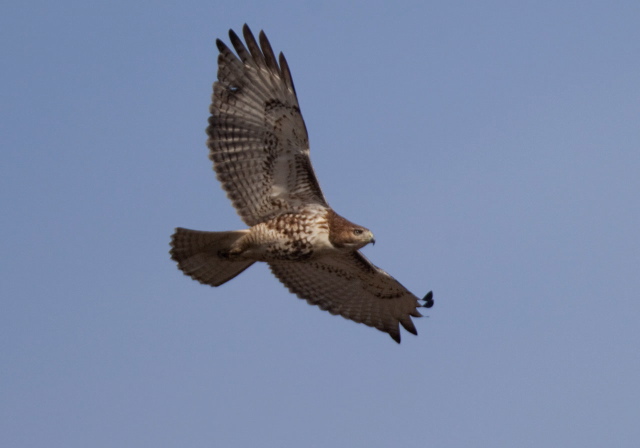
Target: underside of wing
column 351, row 286
column 257, row 138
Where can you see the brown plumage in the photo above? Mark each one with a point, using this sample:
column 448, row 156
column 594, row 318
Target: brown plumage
column 260, row 149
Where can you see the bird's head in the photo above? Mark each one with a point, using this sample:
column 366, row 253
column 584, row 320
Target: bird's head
column 360, row 237
column 344, row 234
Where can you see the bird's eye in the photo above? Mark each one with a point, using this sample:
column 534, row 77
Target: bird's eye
column 357, row 231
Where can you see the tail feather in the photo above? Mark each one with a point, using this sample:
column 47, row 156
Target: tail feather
column 198, row 255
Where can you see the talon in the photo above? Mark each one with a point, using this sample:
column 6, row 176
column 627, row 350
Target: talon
column 223, row 254
column 229, row 254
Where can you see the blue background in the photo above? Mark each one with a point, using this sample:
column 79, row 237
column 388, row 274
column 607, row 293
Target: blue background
column 492, row 147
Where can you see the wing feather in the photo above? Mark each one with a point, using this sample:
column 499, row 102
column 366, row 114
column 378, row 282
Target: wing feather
column 350, row 285
column 258, row 140
column 287, row 73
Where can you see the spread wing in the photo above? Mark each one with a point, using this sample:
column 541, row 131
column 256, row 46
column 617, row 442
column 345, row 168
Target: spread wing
column 350, row 285
column 257, row 138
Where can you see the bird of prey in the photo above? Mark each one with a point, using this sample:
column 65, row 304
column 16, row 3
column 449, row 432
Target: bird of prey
column 260, row 151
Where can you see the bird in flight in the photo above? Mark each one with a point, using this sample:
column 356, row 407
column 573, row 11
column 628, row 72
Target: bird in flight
column 259, row 146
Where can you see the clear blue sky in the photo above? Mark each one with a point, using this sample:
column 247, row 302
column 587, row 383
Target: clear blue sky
column 493, row 148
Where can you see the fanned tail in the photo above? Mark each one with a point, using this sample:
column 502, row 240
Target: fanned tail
column 198, row 255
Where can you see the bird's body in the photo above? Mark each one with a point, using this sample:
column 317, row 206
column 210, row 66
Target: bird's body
column 288, row 237
column 259, row 145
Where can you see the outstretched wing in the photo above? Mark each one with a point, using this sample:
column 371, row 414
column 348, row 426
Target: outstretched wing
column 257, row 138
column 350, row 285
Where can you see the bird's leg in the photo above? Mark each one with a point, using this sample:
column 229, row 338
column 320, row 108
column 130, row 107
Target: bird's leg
column 235, row 251
column 248, row 247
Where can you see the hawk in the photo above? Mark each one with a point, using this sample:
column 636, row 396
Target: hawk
column 260, row 151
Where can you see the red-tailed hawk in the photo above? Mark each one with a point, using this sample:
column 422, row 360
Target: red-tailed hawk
column 260, row 150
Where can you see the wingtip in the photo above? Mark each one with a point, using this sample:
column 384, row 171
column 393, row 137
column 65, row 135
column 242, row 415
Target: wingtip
column 232, row 35
column 221, row 45
column 408, row 325
column 428, row 300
